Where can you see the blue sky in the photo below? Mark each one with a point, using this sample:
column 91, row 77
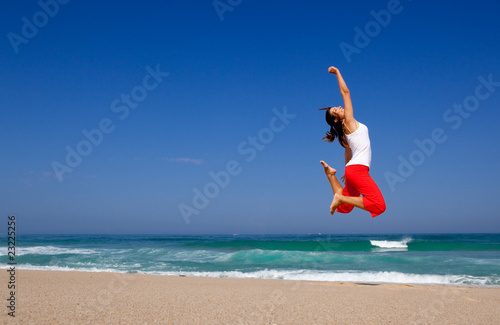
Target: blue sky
column 228, row 73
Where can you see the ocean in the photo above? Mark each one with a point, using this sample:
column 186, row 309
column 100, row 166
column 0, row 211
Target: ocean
column 450, row 259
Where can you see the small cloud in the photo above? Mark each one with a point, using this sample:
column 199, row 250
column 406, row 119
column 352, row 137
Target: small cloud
column 28, row 177
column 185, row 160
column 46, row 176
column 25, row 180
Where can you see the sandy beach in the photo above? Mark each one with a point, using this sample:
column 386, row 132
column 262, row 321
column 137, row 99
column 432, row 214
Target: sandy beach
column 59, row 297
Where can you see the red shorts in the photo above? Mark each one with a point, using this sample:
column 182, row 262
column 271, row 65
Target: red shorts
column 359, row 182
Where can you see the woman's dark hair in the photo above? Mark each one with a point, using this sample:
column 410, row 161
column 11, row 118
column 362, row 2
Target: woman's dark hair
column 336, row 129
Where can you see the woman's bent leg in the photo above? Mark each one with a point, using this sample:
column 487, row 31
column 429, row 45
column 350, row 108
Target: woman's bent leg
column 372, row 199
column 349, row 191
column 334, row 183
column 353, row 201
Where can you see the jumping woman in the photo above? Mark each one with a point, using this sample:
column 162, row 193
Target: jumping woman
column 353, row 136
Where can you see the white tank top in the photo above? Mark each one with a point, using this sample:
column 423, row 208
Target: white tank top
column 359, row 142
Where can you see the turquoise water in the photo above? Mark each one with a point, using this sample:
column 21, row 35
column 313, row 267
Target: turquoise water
column 463, row 259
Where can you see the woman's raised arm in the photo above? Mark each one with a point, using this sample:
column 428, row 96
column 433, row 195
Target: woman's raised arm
column 346, row 95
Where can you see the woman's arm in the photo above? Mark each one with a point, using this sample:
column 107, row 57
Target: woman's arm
column 348, row 157
column 343, row 87
column 346, row 95
column 347, row 154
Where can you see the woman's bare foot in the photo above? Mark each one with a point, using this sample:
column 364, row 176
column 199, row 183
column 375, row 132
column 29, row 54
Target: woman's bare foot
column 328, row 170
column 335, row 203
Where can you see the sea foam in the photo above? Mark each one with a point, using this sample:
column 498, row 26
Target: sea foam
column 308, row 275
column 387, row 244
column 52, row 250
column 372, row 277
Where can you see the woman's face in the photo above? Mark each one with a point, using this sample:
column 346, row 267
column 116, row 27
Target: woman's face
column 337, row 112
